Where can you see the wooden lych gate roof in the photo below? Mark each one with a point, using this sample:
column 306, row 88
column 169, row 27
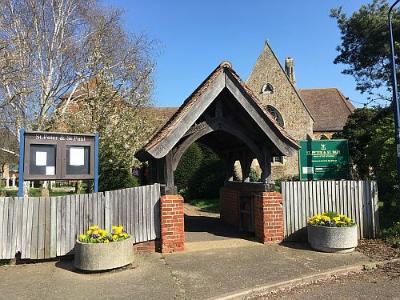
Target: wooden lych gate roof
column 197, row 103
column 224, row 114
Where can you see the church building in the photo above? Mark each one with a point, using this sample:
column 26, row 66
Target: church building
column 303, row 114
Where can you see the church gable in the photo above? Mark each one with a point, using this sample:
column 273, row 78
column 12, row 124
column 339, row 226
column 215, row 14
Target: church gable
column 272, row 86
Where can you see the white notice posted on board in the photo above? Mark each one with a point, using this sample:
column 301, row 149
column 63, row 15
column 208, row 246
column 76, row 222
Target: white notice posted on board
column 50, row 170
column 41, row 158
column 76, row 156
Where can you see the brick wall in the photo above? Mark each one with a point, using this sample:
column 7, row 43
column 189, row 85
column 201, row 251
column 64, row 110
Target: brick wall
column 147, row 247
column 229, row 201
column 172, row 223
column 268, row 216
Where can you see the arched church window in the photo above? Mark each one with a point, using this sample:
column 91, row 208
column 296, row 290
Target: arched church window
column 267, row 89
column 276, row 114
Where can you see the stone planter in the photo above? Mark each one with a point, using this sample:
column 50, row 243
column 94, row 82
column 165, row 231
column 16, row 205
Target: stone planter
column 332, row 239
column 100, row 257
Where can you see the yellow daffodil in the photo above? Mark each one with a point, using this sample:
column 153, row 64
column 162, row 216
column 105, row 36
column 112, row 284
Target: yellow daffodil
column 98, row 235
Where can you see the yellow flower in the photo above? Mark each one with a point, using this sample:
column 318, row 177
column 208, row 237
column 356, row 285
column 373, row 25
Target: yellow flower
column 93, row 227
column 106, row 241
column 325, row 218
column 82, row 237
column 118, row 230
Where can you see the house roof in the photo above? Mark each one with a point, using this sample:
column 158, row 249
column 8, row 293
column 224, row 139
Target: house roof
column 222, row 77
column 329, row 108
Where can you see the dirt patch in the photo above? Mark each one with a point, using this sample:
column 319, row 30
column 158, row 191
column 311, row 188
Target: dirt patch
column 378, row 250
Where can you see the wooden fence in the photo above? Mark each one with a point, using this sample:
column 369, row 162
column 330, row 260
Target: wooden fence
column 356, row 199
column 39, row 227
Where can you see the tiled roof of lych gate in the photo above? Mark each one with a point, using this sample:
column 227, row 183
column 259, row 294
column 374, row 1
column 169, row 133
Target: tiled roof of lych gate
column 173, row 122
column 329, row 108
column 177, row 116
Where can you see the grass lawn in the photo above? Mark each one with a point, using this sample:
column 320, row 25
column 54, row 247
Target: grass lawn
column 208, row 205
column 35, row 192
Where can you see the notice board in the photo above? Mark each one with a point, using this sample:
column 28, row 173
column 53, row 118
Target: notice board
column 324, row 160
column 59, row 156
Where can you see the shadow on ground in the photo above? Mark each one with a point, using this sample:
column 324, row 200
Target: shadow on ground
column 204, row 228
column 297, row 245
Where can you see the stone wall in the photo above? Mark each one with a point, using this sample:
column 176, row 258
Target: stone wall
column 297, row 120
column 318, row 134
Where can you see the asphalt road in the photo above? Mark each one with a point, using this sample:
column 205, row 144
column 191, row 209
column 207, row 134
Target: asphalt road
column 382, row 283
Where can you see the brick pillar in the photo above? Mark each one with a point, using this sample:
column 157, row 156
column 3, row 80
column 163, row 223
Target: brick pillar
column 268, row 217
column 229, row 201
column 172, row 223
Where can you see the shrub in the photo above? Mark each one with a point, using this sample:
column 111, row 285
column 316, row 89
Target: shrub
column 254, row 177
column 116, row 176
column 207, row 180
column 200, row 173
column 331, row 219
column 98, row 235
column 190, row 162
column 391, row 235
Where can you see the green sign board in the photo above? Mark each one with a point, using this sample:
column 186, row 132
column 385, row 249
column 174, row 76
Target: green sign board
column 324, row 159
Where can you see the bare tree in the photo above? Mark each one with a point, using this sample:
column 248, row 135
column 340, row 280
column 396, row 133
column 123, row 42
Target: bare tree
column 49, row 48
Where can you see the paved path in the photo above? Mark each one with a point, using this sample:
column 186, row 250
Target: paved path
column 203, row 226
column 190, row 275
column 218, row 272
column 151, row 279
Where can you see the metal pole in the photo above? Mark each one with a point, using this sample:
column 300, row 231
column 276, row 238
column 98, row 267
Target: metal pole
column 21, row 162
column 96, row 162
column 394, row 84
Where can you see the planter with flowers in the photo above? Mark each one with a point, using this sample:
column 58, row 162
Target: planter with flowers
column 98, row 250
column 331, row 232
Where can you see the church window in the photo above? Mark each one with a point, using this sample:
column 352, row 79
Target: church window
column 276, row 115
column 277, row 159
column 267, row 89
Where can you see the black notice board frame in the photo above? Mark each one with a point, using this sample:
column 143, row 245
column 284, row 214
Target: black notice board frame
column 61, row 142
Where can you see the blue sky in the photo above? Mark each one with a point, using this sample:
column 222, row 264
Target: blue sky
column 193, row 37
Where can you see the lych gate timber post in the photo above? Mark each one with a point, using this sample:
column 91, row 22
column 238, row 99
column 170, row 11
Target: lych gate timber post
column 224, row 114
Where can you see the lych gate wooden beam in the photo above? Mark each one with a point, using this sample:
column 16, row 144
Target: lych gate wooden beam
column 245, row 162
column 205, row 128
column 230, row 166
column 197, row 132
column 205, row 99
column 236, row 91
column 265, row 165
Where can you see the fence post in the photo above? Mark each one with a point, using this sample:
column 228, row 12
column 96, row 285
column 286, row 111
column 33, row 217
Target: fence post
column 107, row 211
column 374, row 208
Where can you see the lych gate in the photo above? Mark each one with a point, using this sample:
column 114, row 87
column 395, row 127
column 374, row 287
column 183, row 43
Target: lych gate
column 225, row 115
